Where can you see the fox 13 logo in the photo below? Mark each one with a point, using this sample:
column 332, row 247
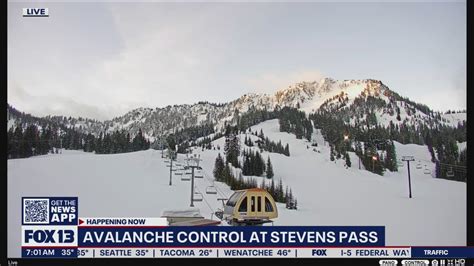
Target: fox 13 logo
column 48, row 222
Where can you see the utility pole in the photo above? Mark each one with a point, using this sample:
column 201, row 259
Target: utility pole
column 195, row 165
column 408, row 159
column 171, row 153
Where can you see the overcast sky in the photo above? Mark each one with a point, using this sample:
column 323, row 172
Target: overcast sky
column 100, row 60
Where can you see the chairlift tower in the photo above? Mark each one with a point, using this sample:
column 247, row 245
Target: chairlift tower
column 192, row 162
column 171, row 155
column 408, row 159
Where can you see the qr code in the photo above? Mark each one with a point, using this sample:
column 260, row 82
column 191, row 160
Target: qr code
column 36, row 211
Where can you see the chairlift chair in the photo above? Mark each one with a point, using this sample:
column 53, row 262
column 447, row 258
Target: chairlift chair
column 418, row 166
column 211, row 190
column 198, row 176
column 450, row 172
column 197, row 196
column 185, row 178
column 427, row 171
column 178, row 173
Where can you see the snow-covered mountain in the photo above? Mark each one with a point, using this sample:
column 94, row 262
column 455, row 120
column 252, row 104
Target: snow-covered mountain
column 326, row 94
column 322, row 186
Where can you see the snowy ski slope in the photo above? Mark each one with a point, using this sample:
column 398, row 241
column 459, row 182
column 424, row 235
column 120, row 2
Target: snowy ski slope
column 136, row 185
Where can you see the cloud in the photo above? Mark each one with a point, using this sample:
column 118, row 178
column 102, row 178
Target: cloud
column 271, row 82
column 43, row 105
column 162, row 61
column 111, row 63
column 125, row 56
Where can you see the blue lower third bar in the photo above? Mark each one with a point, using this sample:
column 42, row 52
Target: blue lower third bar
column 442, row 252
column 47, row 252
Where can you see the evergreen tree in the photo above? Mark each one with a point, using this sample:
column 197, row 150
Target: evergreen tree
column 290, row 200
column 284, row 125
column 272, row 189
column 30, row 141
column 246, row 169
column 232, row 150
column 227, row 174
column 140, row 143
column 11, row 145
column 170, row 140
column 99, row 144
column 280, row 194
column 128, row 140
column 391, row 158
column 106, row 145
column 348, row 159
column 259, row 164
column 219, row 168
column 270, row 173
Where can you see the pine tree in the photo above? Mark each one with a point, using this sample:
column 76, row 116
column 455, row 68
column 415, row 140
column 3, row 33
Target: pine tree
column 308, row 129
column 246, row 165
column 128, row 140
column 280, row 196
column 227, row 174
column 99, row 144
column 11, row 145
column 272, row 189
column 171, row 141
column 284, row 125
column 391, row 158
column 438, row 173
column 287, row 150
column 270, row 173
column 259, row 164
column 232, row 149
column 30, row 141
column 219, row 168
column 348, row 159
column 290, row 199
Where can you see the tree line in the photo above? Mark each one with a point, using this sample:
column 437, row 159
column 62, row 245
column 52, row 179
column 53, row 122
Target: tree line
column 223, row 173
column 31, row 141
column 253, row 164
column 294, row 121
column 266, row 144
